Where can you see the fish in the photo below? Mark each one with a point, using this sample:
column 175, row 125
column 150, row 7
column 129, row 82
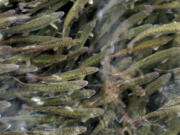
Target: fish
column 35, row 24
column 55, row 87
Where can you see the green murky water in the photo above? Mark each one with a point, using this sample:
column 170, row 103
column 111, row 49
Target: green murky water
column 90, row 67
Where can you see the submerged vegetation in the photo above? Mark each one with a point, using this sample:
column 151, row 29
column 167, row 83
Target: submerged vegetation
column 102, row 67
